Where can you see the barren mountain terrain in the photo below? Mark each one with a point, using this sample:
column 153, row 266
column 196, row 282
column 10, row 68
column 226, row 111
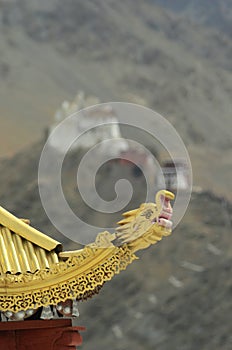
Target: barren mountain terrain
column 216, row 14
column 118, row 51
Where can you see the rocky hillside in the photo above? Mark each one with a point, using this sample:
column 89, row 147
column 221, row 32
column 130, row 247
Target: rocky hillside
column 177, row 296
column 214, row 14
column 129, row 51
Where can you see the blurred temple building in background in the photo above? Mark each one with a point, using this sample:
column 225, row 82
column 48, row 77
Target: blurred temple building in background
column 86, row 123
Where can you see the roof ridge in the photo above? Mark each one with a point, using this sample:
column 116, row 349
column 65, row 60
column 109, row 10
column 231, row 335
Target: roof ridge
column 27, row 232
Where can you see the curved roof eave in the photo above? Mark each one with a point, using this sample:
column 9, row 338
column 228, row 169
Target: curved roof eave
column 27, row 232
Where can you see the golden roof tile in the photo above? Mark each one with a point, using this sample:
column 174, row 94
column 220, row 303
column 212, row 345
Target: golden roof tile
column 23, row 248
column 27, row 232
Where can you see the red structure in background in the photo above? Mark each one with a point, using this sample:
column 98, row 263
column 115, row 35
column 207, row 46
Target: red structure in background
column 40, row 335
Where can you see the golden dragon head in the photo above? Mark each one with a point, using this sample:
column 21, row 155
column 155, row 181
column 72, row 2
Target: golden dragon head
column 147, row 224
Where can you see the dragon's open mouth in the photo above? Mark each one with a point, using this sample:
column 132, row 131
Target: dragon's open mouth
column 164, row 219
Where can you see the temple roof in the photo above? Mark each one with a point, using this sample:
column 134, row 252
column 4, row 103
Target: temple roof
column 23, row 248
column 35, row 273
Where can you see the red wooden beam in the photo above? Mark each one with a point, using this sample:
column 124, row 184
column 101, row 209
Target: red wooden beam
column 40, row 335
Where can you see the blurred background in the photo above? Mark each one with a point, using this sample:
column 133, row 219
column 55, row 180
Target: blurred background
column 175, row 57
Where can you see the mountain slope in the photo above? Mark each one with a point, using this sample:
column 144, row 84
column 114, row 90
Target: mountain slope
column 128, row 51
column 215, row 14
column 112, row 50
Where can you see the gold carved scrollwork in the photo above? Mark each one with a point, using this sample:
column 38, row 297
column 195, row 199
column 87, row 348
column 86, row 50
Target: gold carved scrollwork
column 77, row 285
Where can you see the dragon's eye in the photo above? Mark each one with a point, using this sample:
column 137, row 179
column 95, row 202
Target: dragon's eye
column 148, row 213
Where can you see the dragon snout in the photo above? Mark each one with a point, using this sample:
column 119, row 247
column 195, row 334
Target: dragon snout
column 165, row 209
column 167, row 194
